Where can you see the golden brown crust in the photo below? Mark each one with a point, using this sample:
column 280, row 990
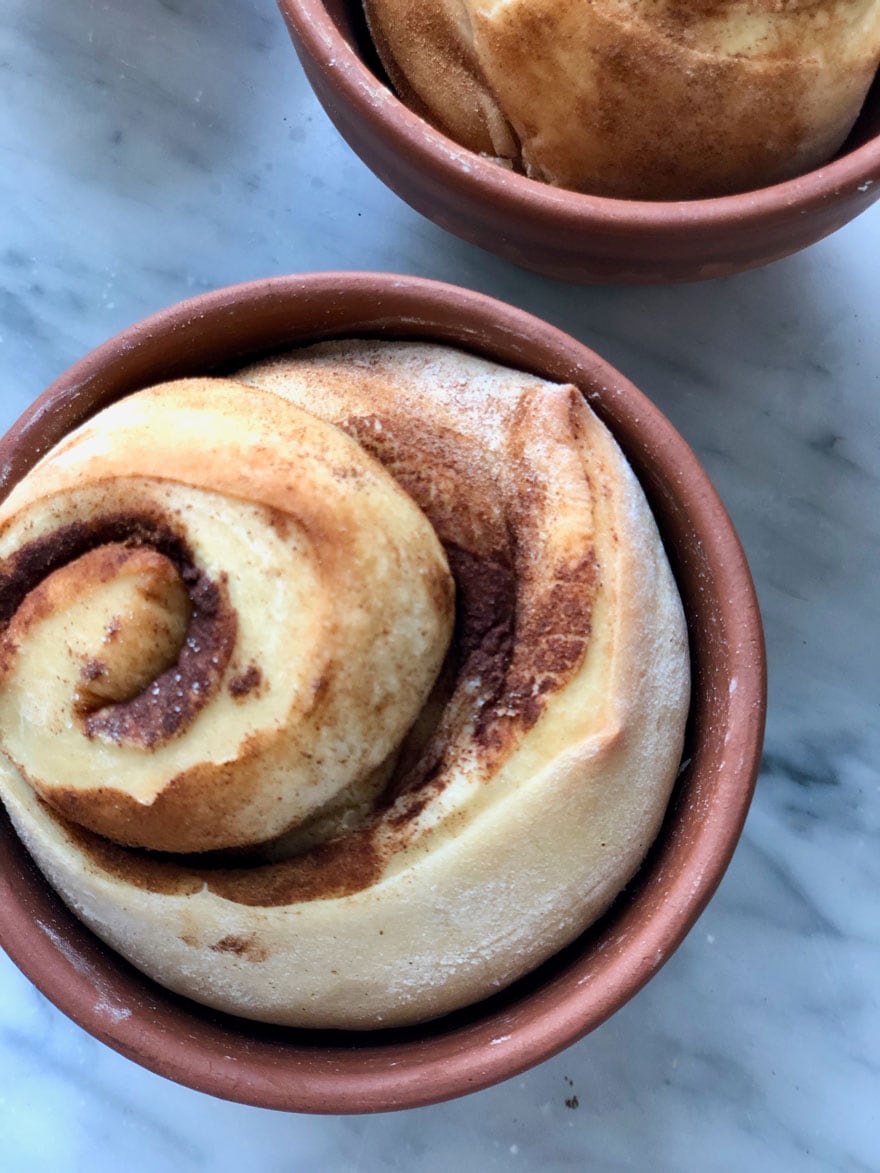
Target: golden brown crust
column 653, row 99
column 441, row 57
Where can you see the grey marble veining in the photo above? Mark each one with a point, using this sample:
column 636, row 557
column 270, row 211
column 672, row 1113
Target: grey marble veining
column 150, row 150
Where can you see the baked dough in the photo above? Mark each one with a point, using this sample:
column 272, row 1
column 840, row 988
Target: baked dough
column 649, row 99
column 191, row 581
column 527, row 792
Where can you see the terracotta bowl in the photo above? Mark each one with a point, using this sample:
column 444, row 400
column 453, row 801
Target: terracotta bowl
column 338, row 1072
column 560, row 233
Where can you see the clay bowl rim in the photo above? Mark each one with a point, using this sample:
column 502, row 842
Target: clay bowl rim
column 348, row 1073
column 432, row 150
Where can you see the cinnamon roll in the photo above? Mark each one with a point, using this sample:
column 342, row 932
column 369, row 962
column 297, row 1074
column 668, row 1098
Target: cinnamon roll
column 353, row 821
column 190, row 583
column 636, row 99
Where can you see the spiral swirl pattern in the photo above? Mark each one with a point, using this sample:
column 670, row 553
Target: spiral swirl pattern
column 509, row 803
column 183, row 622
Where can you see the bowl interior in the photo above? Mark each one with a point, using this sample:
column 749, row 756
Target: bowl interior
column 577, row 989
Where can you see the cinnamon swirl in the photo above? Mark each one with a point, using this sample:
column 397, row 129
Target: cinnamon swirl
column 414, row 862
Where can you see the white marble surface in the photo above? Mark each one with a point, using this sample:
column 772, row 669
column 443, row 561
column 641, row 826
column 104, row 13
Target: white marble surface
column 150, row 149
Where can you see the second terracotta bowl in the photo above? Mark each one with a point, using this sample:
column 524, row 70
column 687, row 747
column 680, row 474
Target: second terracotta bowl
column 334, row 1072
column 564, row 234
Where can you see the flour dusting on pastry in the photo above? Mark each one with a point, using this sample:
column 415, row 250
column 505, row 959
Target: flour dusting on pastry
column 383, row 816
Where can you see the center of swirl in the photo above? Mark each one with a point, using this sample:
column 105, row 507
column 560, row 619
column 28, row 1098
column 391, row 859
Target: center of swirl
column 147, row 634
column 149, row 613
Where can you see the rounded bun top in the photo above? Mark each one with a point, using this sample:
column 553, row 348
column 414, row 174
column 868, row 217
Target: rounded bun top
column 523, row 789
column 636, row 99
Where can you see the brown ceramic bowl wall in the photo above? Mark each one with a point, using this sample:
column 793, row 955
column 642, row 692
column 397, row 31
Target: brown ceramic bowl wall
column 573, row 993
column 559, row 233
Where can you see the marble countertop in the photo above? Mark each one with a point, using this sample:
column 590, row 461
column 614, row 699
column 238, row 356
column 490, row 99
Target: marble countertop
column 150, row 150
